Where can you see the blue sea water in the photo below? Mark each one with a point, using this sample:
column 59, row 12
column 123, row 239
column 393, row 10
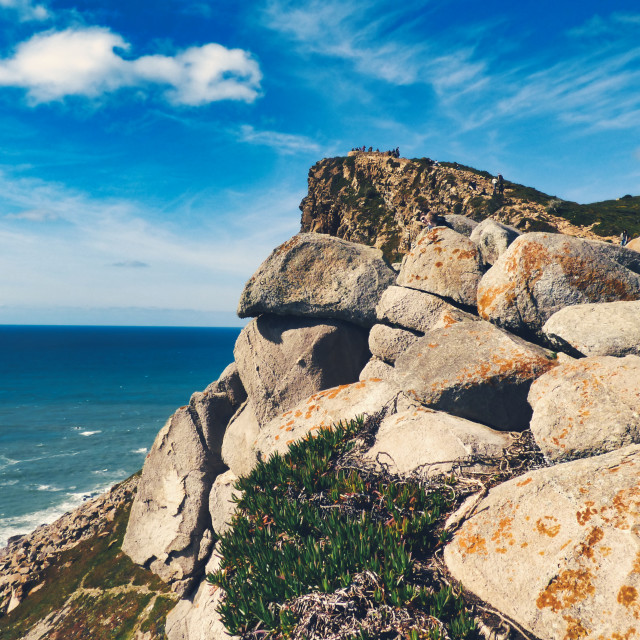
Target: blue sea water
column 80, row 407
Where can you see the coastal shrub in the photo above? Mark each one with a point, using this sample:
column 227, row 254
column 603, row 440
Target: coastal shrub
column 304, row 526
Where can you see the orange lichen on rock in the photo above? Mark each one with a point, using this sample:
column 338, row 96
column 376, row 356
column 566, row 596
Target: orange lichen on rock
column 545, row 528
column 569, row 587
column 627, row 596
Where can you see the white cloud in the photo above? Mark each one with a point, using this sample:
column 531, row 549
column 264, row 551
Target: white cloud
column 85, row 62
column 375, row 47
column 282, row 142
column 96, row 259
column 34, row 215
column 26, row 10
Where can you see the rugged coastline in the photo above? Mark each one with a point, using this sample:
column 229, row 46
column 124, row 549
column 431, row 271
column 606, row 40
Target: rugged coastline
column 475, row 340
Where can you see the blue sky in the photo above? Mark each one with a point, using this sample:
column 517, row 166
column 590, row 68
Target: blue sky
column 153, row 153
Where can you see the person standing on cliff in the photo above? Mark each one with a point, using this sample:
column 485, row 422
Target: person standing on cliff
column 624, row 238
column 500, row 184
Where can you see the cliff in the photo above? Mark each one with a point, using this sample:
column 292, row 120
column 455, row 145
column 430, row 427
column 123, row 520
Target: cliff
column 371, row 198
column 386, row 434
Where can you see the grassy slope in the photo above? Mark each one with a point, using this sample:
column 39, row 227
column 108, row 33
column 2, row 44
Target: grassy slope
column 609, row 216
column 95, row 591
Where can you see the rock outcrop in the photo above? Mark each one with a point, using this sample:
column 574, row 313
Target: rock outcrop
column 587, row 407
column 541, row 273
column 318, row 276
column 441, row 347
column 557, row 549
column 171, row 512
column 373, row 199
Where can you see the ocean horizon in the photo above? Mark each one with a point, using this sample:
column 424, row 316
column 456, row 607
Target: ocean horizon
column 80, row 407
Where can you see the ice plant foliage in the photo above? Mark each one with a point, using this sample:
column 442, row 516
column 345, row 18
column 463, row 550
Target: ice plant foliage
column 303, row 526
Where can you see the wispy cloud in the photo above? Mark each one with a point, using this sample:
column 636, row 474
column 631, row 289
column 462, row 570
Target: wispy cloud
column 87, row 62
column 102, row 252
column 34, row 215
column 376, row 47
column 130, row 264
column 26, row 10
column 286, row 143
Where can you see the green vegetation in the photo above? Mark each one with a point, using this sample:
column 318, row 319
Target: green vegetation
column 609, row 217
column 303, row 525
column 112, row 613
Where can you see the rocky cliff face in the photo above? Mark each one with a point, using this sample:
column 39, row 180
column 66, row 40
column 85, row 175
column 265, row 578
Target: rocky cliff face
column 461, row 371
column 372, row 198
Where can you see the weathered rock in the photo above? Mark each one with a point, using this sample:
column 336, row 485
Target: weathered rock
column 634, row 244
column 606, row 329
column 221, row 505
column 377, row 370
column 282, row 360
column 417, row 310
column 445, row 263
column 461, row 224
column 243, row 429
column 387, row 343
column 230, row 384
column 558, row 549
column 540, row 273
column 586, row 407
column 322, row 410
column 433, row 441
column 475, row 371
column 618, row 254
column 197, row 619
column 493, row 238
column 170, row 513
column 213, row 411
column 319, row 276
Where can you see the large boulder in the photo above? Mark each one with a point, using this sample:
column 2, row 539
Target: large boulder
column 282, row 360
column 417, row 311
column 319, row 276
column 540, row 273
column 586, row 407
column 474, row 370
column 322, row 410
column 445, row 263
column 433, row 442
column 387, row 343
column 493, row 238
column 605, row 329
column 237, row 446
column 558, row 549
column 170, row 514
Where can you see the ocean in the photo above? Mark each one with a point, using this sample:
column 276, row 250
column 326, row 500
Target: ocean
column 80, row 408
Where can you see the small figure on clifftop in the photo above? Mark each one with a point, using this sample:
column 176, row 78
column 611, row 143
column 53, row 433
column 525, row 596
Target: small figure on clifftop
column 624, row 238
column 500, row 184
column 494, row 182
